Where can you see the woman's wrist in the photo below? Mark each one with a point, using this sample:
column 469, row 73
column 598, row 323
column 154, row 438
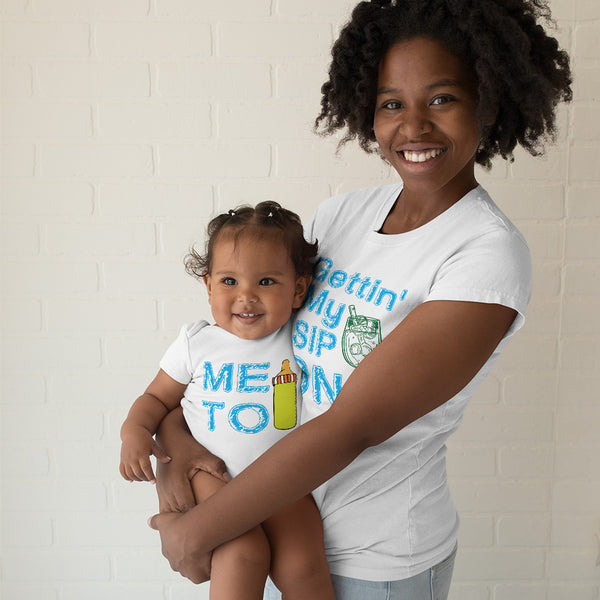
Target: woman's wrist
column 192, row 534
column 188, row 455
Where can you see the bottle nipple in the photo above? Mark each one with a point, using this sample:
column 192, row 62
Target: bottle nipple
column 285, row 368
column 286, row 374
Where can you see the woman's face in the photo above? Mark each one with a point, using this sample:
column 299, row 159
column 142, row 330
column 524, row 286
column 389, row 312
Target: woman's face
column 425, row 118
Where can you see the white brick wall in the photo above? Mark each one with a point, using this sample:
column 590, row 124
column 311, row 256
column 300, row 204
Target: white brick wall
column 124, row 126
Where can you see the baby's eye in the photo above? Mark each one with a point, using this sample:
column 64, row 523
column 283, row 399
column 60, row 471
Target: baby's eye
column 266, row 281
column 228, row 281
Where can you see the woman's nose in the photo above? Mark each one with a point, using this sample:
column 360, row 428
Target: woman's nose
column 415, row 123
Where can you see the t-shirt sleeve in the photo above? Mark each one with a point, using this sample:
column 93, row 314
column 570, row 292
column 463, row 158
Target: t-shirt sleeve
column 494, row 268
column 319, row 227
column 312, row 228
column 177, row 362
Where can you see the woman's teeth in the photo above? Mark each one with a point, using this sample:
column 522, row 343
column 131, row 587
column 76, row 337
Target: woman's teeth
column 419, row 157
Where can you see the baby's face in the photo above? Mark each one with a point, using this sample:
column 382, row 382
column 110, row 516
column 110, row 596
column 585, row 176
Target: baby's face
column 252, row 286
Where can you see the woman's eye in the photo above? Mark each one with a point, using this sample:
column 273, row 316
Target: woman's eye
column 228, row 281
column 266, row 281
column 441, row 100
column 392, row 105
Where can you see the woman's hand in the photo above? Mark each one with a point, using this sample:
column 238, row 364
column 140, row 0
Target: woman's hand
column 187, row 458
column 173, row 481
column 175, row 496
column 172, row 529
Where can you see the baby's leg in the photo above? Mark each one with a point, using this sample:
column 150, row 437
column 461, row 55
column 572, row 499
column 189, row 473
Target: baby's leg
column 240, row 567
column 298, row 565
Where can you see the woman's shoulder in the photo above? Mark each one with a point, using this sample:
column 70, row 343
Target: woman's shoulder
column 356, row 206
column 362, row 198
column 493, row 222
column 484, row 247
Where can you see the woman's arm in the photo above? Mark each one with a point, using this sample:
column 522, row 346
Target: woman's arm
column 428, row 358
column 187, row 458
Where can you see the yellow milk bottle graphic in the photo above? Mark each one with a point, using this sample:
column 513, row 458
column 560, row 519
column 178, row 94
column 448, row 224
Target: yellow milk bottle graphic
column 284, row 397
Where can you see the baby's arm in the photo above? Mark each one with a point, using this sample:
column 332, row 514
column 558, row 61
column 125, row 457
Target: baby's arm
column 138, row 429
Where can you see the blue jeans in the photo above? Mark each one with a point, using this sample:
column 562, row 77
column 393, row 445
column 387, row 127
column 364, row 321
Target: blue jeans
column 432, row 584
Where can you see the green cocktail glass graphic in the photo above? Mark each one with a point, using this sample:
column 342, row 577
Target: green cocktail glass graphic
column 361, row 335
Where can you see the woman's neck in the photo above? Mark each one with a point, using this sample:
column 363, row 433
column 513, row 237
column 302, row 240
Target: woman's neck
column 412, row 210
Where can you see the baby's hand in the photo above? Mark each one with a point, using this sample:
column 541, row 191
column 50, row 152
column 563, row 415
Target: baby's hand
column 137, row 447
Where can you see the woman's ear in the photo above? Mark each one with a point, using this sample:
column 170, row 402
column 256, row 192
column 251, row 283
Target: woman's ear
column 302, row 284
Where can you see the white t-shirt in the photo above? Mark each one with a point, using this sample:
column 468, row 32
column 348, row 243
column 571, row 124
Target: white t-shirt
column 389, row 514
column 237, row 403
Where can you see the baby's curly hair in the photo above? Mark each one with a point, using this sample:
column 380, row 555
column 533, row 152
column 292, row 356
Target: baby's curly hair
column 521, row 72
column 267, row 220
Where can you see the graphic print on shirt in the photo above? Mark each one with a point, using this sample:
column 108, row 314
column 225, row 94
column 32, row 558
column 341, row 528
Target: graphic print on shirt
column 334, row 325
column 361, row 335
column 250, row 417
column 284, row 398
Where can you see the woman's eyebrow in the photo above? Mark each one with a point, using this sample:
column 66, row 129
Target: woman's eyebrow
column 444, row 83
column 431, row 86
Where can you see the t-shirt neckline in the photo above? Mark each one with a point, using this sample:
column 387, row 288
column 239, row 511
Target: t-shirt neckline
column 438, row 221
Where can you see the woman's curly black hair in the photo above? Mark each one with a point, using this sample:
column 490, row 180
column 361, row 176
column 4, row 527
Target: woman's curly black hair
column 267, row 220
column 522, row 74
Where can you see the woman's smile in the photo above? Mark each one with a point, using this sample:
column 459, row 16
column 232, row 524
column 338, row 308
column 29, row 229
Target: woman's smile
column 421, row 156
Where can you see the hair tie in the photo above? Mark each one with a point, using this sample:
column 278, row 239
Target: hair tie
column 232, row 213
column 270, row 214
